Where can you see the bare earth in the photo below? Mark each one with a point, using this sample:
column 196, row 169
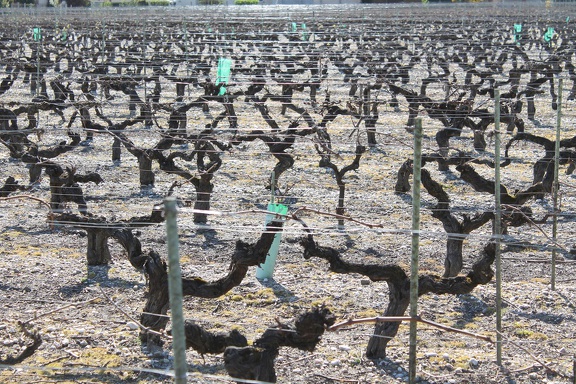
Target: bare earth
column 85, row 315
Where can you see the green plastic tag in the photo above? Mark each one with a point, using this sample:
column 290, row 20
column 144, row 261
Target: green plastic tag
column 266, row 270
column 517, row 32
column 223, row 73
column 294, row 27
column 276, row 208
column 37, row 34
column 549, row 34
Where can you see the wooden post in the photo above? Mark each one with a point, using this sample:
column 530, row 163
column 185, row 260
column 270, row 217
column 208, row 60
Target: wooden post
column 497, row 226
column 175, row 291
column 556, row 187
column 417, row 170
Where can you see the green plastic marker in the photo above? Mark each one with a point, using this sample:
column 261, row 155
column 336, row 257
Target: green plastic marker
column 304, row 34
column 265, row 271
column 37, row 34
column 517, row 32
column 549, row 35
column 294, row 27
column 223, row 73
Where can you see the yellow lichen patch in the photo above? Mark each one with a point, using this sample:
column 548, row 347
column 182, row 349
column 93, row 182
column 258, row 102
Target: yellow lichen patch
column 538, row 336
column 26, row 250
column 461, row 361
column 456, row 344
column 523, row 333
column 370, row 312
column 471, row 326
column 11, row 234
column 540, row 280
column 263, row 297
column 100, row 357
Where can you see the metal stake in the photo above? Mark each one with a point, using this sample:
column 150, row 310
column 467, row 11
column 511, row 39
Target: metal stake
column 497, row 226
column 556, row 187
column 175, row 291
column 417, row 170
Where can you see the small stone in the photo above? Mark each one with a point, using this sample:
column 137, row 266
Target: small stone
column 65, row 342
column 319, row 362
column 563, row 351
column 132, row 325
column 449, row 367
column 365, row 282
column 473, row 362
column 344, row 348
column 82, row 343
column 335, row 362
column 297, row 370
column 446, row 356
column 525, row 307
column 430, row 354
column 533, row 376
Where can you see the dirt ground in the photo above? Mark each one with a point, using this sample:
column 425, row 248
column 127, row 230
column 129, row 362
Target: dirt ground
column 85, row 315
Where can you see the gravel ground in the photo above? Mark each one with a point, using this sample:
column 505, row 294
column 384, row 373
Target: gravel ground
column 86, row 338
